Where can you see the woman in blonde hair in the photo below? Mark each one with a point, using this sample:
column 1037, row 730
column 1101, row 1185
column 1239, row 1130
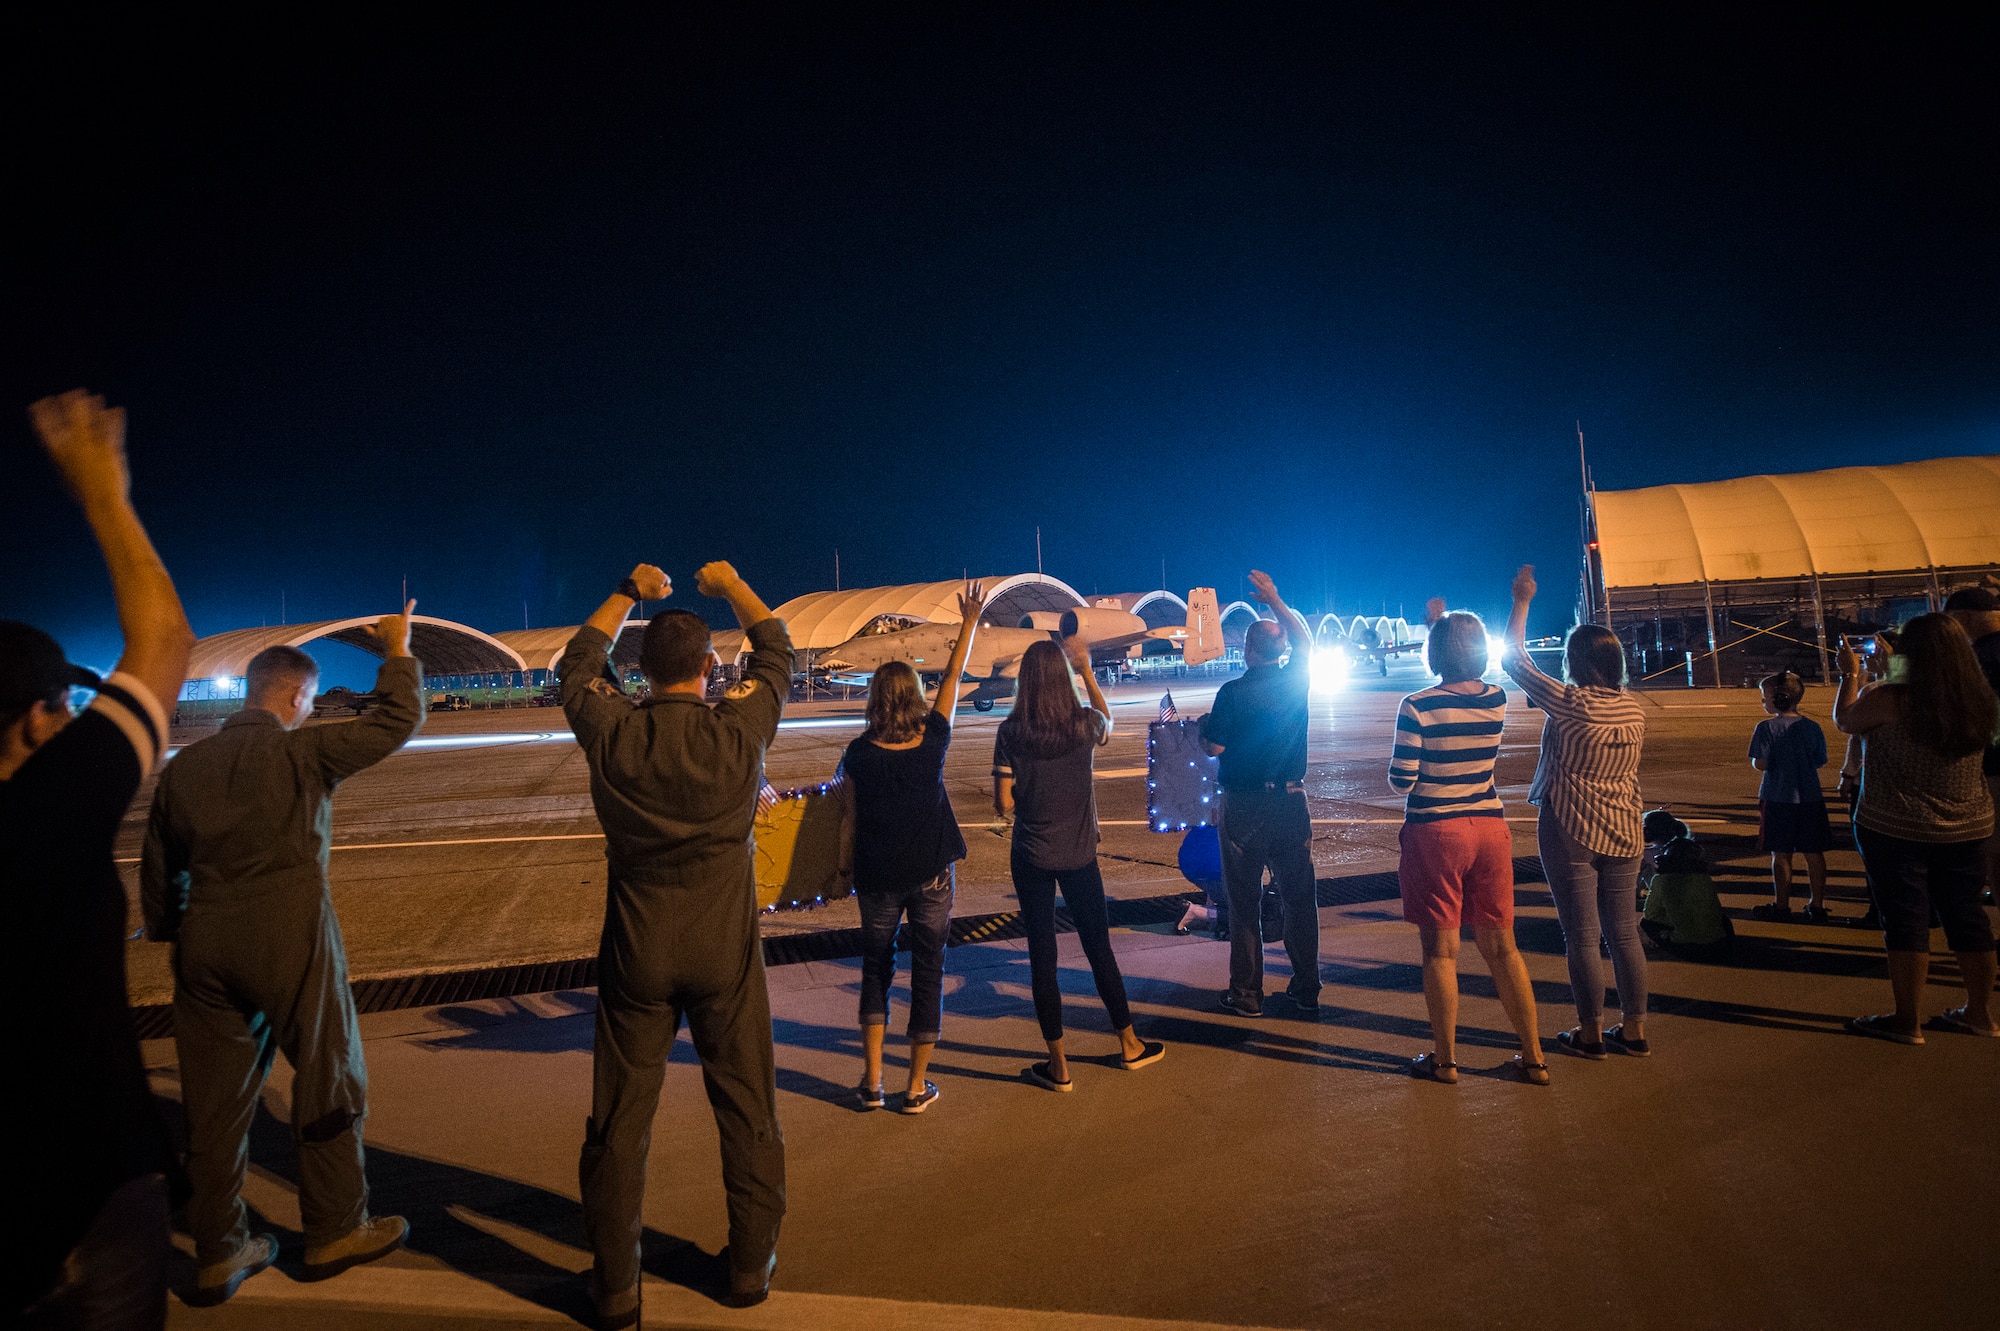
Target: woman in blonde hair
column 900, row 844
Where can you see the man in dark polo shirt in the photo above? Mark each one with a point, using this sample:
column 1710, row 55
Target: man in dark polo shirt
column 91, row 1158
column 234, row 876
column 1258, row 729
column 675, row 783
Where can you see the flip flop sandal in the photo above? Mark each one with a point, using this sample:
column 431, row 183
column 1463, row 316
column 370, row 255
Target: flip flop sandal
column 1425, row 1067
column 1883, row 1027
column 1572, row 1042
column 1535, row 1074
column 1955, row 1022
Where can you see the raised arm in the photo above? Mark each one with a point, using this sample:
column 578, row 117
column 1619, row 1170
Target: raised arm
column 1078, row 652
column 1294, row 624
column 971, row 604
column 720, row 579
column 1856, row 710
column 86, row 441
column 646, row 584
column 346, row 748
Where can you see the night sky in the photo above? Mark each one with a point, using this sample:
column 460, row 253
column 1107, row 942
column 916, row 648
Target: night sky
column 507, row 304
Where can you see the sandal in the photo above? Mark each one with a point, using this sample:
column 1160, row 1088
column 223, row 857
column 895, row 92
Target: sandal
column 1614, row 1038
column 1771, row 910
column 1535, row 1074
column 1572, row 1042
column 1425, row 1067
column 1883, row 1027
column 1955, row 1022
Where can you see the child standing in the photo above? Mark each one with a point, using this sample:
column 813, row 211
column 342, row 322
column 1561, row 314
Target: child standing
column 1789, row 750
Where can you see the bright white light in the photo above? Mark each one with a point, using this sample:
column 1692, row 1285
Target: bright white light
column 1329, row 670
column 1494, row 650
column 220, row 681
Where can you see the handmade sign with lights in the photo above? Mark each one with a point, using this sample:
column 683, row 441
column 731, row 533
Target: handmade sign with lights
column 798, row 848
column 1180, row 778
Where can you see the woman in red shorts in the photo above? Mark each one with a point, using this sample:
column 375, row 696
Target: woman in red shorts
column 1458, row 856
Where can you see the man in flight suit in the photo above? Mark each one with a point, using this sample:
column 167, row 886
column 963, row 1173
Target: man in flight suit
column 675, row 783
column 234, row 875
column 1258, row 728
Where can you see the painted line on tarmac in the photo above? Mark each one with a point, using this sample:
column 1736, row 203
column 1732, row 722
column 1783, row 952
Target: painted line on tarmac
column 386, row 1290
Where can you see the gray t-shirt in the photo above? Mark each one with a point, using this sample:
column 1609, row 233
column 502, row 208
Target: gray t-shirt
column 1055, row 803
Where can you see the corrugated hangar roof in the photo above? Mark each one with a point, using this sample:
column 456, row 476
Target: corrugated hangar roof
column 819, row 620
column 543, row 648
column 1944, row 513
column 444, row 647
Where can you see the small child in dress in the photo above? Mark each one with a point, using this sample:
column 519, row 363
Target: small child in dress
column 1683, row 916
column 1789, row 750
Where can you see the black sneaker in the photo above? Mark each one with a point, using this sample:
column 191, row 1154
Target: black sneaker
column 1242, row 1007
column 1304, row 1002
column 1771, row 910
column 1818, row 915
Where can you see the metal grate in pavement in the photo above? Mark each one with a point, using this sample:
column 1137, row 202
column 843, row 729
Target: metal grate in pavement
column 156, row 1020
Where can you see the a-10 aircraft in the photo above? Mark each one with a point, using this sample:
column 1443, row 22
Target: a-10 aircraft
column 995, row 661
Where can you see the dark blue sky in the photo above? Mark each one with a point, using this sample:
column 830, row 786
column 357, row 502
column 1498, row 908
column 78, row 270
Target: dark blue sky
column 509, row 304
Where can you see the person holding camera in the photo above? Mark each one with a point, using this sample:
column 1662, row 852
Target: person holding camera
column 1923, row 817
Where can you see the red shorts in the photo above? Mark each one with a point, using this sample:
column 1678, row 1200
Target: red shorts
column 1458, row 867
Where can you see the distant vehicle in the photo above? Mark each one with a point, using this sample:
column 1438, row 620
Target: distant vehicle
column 340, row 699
column 451, row 702
column 1114, row 636
column 548, row 697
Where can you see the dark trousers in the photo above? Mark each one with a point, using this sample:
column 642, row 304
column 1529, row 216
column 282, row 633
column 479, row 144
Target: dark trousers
column 1083, row 893
column 1910, row 880
column 687, row 948
column 115, row 1278
column 929, row 930
column 1273, row 828
column 260, row 976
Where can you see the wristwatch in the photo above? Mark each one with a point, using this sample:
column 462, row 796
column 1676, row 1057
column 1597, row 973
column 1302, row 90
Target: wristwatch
column 630, row 589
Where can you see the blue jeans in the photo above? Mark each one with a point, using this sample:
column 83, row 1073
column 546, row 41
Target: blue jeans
column 929, row 929
column 1595, row 894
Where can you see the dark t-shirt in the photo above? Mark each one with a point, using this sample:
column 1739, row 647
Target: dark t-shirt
column 1987, row 649
column 1793, row 749
column 1055, row 803
column 1260, row 720
column 905, row 832
column 84, row 1122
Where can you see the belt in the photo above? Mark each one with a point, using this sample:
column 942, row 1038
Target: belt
column 1266, row 788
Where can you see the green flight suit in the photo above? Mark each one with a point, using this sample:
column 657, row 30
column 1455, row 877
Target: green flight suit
column 675, row 784
column 234, row 875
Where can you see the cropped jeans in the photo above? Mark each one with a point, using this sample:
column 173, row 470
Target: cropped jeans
column 929, row 929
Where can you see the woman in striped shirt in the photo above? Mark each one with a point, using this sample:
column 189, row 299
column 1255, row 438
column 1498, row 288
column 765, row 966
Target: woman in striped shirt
column 1458, row 857
column 1589, row 832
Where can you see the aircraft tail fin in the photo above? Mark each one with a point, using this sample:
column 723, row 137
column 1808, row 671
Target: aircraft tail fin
column 1204, row 626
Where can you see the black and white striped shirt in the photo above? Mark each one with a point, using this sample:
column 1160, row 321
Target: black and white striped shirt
column 1588, row 776
column 1446, row 744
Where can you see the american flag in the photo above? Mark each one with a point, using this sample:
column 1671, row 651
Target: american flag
column 1167, row 712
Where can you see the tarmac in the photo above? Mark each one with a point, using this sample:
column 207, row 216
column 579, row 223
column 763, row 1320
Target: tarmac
column 1763, row 1168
